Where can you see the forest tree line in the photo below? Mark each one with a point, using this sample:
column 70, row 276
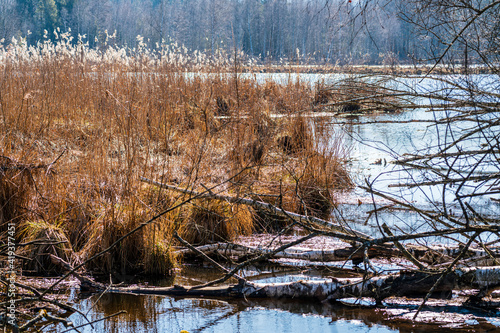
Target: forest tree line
column 305, row 31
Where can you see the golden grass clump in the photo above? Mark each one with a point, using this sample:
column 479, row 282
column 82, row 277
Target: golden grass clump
column 209, row 221
column 308, row 185
column 322, row 174
column 309, row 174
column 141, row 251
column 298, row 137
column 48, row 238
column 159, row 259
column 103, row 232
column 295, row 96
column 75, row 217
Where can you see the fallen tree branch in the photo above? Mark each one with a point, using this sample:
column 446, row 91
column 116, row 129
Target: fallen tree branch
column 445, row 273
column 403, row 250
column 41, row 314
column 256, row 259
column 263, row 205
column 380, row 287
column 203, row 255
column 85, row 282
column 310, row 255
column 435, row 255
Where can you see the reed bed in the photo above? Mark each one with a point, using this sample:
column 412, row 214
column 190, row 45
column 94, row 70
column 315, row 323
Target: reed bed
column 78, row 127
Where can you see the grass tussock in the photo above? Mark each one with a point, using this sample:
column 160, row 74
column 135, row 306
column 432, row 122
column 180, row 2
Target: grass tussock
column 210, row 221
column 46, row 239
column 96, row 122
column 320, row 174
column 146, row 250
column 307, row 183
column 159, row 259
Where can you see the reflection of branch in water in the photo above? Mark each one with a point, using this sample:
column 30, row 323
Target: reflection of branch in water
column 95, row 321
column 236, row 309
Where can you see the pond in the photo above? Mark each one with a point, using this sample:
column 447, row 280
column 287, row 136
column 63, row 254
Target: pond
column 168, row 314
column 165, row 314
column 374, row 141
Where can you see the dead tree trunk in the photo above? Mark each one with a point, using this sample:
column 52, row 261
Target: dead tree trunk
column 410, row 284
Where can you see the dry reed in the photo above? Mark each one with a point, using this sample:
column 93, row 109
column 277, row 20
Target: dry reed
column 112, row 117
column 210, row 221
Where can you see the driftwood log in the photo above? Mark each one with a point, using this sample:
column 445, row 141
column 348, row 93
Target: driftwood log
column 347, row 253
column 404, row 283
column 436, row 255
column 381, row 287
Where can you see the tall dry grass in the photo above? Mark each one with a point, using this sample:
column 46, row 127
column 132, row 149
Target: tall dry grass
column 105, row 118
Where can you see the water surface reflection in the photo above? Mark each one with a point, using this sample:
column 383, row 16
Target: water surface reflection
column 153, row 314
column 166, row 314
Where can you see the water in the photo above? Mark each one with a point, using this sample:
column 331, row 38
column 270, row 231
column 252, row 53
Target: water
column 384, row 142
column 166, row 314
column 370, row 142
column 377, row 141
column 170, row 315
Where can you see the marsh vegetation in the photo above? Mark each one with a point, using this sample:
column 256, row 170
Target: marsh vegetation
column 118, row 163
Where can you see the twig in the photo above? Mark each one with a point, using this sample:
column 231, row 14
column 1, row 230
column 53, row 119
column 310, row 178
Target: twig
column 200, row 253
column 95, row 321
column 41, row 314
column 443, row 274
column 403, row 250
column 51, row 164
